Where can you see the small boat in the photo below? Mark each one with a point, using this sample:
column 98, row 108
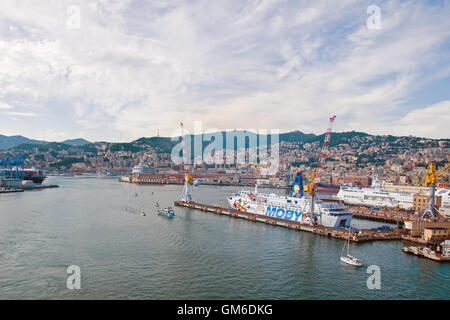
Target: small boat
column 168, row 212
column 349, row 259
column 135, row 211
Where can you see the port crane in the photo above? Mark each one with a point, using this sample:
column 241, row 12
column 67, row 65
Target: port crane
column 12, row 167
column 188, row 179
column 430, row 181
column 310, row 188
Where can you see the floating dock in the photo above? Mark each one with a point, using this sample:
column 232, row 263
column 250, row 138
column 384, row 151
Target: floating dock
column 425, row 252
column 41, row 186
column 11, row 190
column 361, row 236
column 28, row 187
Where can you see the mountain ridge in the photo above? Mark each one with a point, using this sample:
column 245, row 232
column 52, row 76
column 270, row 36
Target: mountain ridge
column 165, row 144
column 9, row 142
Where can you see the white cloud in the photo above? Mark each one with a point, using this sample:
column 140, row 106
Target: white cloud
column 432, row 121
column 21, row 114
column 4, row 106
column 135, row 67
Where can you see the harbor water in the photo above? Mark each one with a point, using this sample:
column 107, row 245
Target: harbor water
column 93, row 223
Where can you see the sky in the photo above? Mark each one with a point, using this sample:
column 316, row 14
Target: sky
column 120, row 70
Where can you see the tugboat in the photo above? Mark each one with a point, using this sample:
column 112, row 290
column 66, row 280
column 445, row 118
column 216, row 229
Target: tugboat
column 168, row 212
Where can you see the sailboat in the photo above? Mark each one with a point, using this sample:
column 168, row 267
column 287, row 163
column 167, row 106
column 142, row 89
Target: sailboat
column 349, row 259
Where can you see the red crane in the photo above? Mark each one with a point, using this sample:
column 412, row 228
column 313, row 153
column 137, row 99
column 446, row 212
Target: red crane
column 324, row 152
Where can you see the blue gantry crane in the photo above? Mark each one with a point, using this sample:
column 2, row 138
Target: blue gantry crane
column 12, row 167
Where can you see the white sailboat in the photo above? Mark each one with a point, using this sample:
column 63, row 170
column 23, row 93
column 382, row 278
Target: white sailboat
column 349, row 259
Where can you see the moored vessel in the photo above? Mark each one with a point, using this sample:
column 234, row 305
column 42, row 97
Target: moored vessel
column 375, row 196
column 293, row 208
column 29, row 174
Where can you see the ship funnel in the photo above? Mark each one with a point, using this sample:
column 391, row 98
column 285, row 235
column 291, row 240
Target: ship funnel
column 297, row 186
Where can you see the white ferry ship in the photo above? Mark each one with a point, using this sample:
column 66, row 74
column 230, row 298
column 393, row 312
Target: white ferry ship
column 143, row 169
column 293, row 208
column 375, row 196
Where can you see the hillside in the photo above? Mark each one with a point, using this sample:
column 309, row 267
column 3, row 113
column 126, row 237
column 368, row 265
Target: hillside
column 76, row 142
column 12, row 141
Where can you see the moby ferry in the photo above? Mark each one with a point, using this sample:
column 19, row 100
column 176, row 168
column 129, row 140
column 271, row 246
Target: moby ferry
column 294, row 207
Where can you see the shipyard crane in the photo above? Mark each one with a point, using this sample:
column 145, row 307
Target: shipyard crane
column 324, row 152
column 439, row 173
column 12, row 167
column 430, row 181
column 310, row 188
column 188, row 179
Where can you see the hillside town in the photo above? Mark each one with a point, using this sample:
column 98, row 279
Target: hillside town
column 355, row 160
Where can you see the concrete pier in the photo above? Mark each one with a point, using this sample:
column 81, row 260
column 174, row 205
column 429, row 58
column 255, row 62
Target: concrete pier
column 361, row 236
column 4, row 190
column 425, row 252
column 41, row 186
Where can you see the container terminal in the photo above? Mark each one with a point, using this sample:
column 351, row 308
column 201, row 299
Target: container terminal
column 15, row 177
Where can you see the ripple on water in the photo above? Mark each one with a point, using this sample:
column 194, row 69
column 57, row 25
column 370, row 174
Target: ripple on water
column 195, row 255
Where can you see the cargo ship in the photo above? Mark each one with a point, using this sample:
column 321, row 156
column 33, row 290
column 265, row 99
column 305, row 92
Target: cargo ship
column 30, row 174
column 294, row 207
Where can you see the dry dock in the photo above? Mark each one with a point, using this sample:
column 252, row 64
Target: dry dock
column 361, row 236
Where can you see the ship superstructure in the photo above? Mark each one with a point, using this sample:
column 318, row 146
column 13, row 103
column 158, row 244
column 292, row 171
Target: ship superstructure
column 375, row 196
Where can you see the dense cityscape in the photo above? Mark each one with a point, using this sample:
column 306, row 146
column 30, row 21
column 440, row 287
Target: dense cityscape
column 353, row 158
column 224, row 156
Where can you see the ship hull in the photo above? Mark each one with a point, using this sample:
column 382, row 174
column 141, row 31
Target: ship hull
column 375, row 197
column 327, row 188
column 296, row 214
column 34, row 175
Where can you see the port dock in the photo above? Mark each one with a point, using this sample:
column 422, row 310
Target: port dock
column 10, row 190
column 39, row 186
column 28, row 187
column 426, row 252
column 395, row 217
column 355, row 236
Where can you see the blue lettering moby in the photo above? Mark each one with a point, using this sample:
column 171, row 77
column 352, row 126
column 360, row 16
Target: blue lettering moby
column 282, row 213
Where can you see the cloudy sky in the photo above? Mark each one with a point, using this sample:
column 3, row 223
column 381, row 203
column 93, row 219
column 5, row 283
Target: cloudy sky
column 125, row 69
